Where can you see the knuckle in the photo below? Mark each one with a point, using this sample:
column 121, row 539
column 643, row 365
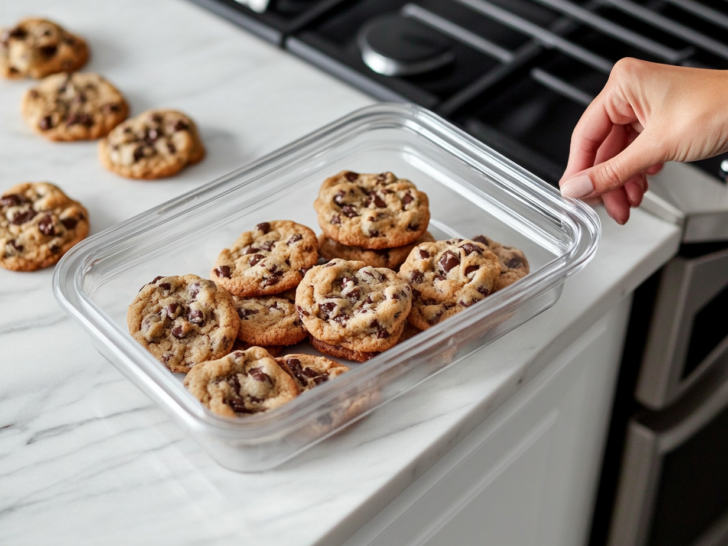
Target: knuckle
column 628, row 68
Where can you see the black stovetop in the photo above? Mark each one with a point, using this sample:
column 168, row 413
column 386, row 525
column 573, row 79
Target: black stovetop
column 516, row 74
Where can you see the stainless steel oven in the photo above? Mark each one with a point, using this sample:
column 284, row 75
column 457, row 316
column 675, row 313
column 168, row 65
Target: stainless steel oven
column 673, row 490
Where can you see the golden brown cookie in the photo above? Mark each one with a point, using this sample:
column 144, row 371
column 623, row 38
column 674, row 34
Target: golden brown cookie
column 270, row 320
column 268, row 260
column 152, row 145
column 80, row 106
column 514, row 265
column 309, row 371
column 353, row 305
column 38, row 225
column 183, row 321
column 241, row 383
column 372, row 210
column 391, row 258
column 446, row 277
column 337, row 351
column 35, row 48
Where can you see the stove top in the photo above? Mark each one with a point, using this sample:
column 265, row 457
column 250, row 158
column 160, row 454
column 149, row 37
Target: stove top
column 516, row 74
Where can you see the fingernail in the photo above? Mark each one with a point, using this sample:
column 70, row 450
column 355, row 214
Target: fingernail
column 577, row 187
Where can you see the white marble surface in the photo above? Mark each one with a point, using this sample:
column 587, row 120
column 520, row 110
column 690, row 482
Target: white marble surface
column 85, row 458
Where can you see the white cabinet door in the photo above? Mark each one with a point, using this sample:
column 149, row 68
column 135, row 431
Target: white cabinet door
column 528, row 474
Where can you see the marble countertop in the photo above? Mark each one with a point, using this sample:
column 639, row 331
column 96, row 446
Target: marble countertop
column 85, row 458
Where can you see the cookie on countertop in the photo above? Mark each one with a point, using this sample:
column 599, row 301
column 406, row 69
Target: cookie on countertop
column 35, row 48
column 337, row 351
column 270, row 320
column 309, row 371
column 270, row 259
column 391, row 258
column 372, row 211
column 241, row 383
column 79, row 106
column 183, row 321
column 154, row 144
column 353, row 305
column 447, row 277
column 38, row 224
column 514, row 265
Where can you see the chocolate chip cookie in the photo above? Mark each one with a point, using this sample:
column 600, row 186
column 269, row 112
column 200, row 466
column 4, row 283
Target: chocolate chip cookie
column 38, row 224
column 268, row 260
column 241, row 383
column 372, row 211
column 514, row 265
column 391, row 258
column 309, row 371
column 35, row 48
column 80, row 106
column 337, row 351
column 154, row 144
column 353, row 305
column 446, row 277
column 183, row 321
column 270, row 320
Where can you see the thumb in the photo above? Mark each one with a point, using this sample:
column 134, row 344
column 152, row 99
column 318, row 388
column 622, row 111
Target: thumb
column 615, row 172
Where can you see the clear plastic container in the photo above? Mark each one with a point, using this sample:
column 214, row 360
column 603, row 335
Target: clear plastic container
column 472, row 190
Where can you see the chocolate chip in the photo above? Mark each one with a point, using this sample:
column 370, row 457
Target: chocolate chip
column 69, row 223
column 416, row 277
column 267, row 246
column 178, row 332
column 194, row 290
column 171, row 147
column 407, row 199
column 45, row 123
column 15, row 245
column 23, row 217
column 424, row 254
column 195, row 316
column 48, row 50
column 351, row 176
column 154, row 281
column 382, row 177
column 172, row 309
column 395, row 296
column 263, row 227
column 355, row 294
column 238, row 406
column 165, row 286
column 336, row 219
column 339, row 197
column 256, row 259
column 46, row 226
column 330, row 264
column 416, row 293
column 270, row 281
column 439, row 278
column 381, row 331
column 347, row 280
column 245, row 313
column 301, row 311
column 80, row 119
column 369, row 300
column 349, row 211
column 341, row 319
column 139, row 152
column 470, row 269
column 260, row 375
column 374, row 233
column 111, row 107
column 378, row 201
column 483, row 290
column 320, row 379
column 515, row 262
column 79, row 98
column 448, row 261
column 469, row 248
column 466, row 304
column 327, row 308
column 413, row 227
column 304, row 270
column 155, row 118
column 33, row 94
column 179, row 125
column 11, row 200
column 250, row 250
column 223, row 271
column 294, row 239
column 17, row 33
column 435, row 319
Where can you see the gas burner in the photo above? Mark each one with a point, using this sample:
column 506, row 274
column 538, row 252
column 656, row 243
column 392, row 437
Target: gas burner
column 393, row 45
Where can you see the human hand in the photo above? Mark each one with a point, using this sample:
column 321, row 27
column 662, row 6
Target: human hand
column 646, row 114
